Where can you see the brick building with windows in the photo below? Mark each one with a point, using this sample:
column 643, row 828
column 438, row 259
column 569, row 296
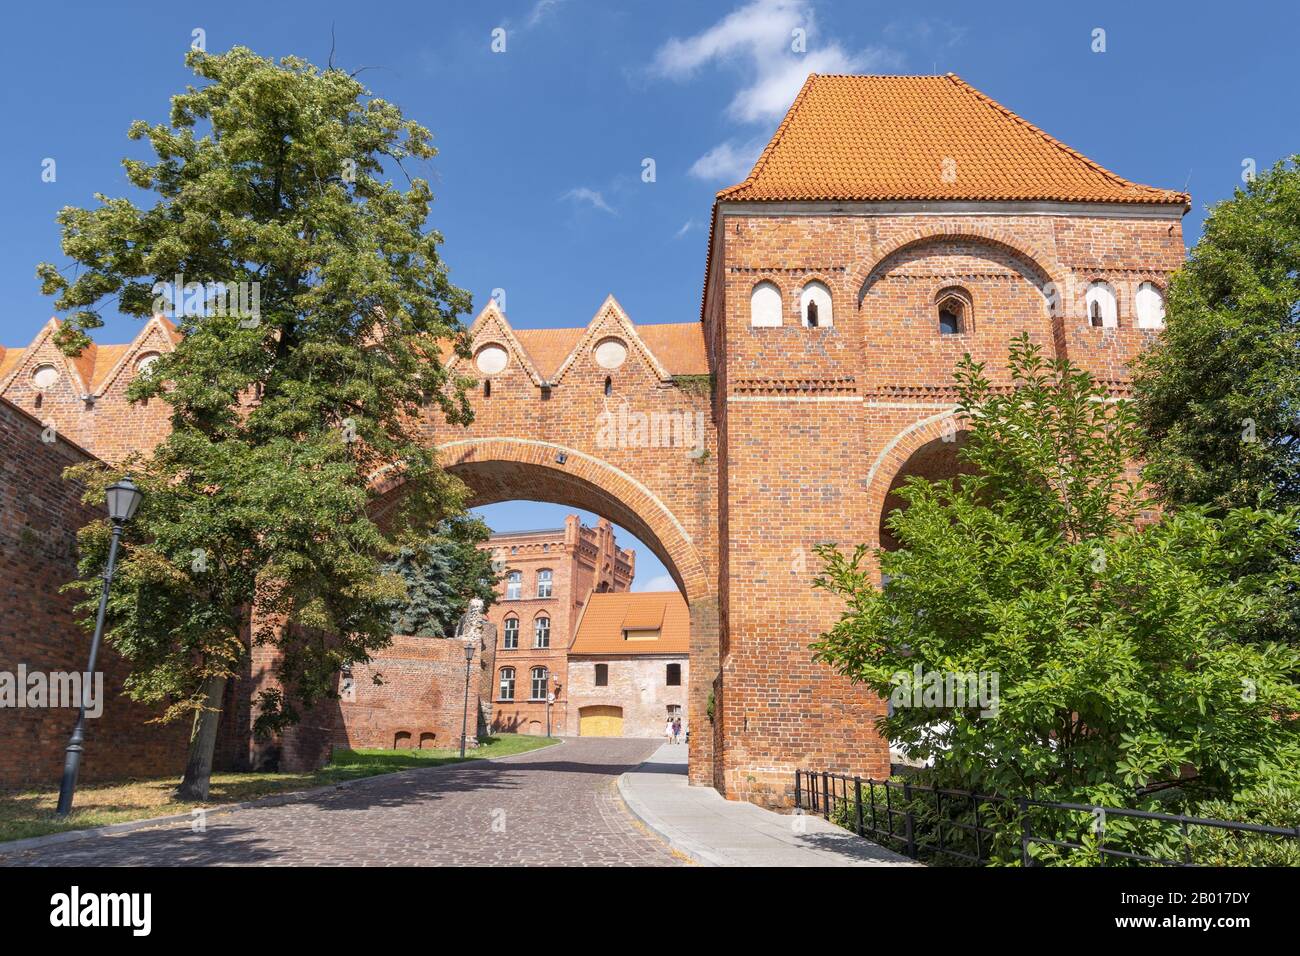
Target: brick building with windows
column 547, row 579
column 628, row 665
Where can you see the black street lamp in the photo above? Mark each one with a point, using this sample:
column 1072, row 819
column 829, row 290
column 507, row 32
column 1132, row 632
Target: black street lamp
column 464, row 717
column 123, row 499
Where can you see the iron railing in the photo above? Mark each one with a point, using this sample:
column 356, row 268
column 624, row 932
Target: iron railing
column 945, row 825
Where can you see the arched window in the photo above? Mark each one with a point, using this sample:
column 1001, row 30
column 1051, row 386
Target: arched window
column 514, row 585
column 765, row 306
column 815, row 306
column 544, row 583
column 1150, row 307
column 956, row 311
column 1103, row 311
column 602, row 675
column 510, row 632
column 542, row 632
column 487, row 388
column 674, row 675
column 507, row 689
column 609, row 385
column 539, row 683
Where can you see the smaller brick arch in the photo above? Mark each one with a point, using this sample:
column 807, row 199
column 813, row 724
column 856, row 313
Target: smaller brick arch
column 899, row 451
column 1040, row 258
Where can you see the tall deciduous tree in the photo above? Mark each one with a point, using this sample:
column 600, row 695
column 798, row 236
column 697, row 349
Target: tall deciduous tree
column 314, row 314
column 1219, row 394
column 1127, row 655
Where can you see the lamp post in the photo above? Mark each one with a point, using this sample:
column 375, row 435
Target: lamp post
column 550, row 699
column 475, row 626
column 122, row 498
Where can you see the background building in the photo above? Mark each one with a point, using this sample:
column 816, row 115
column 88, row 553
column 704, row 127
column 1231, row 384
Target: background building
column 628, row 665
column 547, row 578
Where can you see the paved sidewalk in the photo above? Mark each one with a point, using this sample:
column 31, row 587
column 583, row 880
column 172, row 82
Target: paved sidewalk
column 713, row 831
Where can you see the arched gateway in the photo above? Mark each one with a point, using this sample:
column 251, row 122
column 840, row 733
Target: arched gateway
column 844, row 278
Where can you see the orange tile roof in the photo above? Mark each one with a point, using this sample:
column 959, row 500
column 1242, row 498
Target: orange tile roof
column 880, row 138
column 548, row 348
column 9, row 359
column 679, row 346
column 606, row 615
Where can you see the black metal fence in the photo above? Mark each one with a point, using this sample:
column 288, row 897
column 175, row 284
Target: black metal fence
column 963, row 827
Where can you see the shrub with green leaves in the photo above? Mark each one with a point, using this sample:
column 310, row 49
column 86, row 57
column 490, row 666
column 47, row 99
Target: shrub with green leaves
column 1130, row 652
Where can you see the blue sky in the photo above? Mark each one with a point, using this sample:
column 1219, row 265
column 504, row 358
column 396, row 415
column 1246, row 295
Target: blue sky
column 538, row 185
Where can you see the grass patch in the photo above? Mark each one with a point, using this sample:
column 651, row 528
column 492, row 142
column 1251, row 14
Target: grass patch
column 29, row 813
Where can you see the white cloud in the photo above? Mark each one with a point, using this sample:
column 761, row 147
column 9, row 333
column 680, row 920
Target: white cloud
column 688, row 226
column 727, row 162
column 758, row 41
column 663, row 582
column 589, row 196
column 541, row 10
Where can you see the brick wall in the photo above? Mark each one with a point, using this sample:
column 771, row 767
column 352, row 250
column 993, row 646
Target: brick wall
column 40, row 514
column 637, row 685
column 816, row 424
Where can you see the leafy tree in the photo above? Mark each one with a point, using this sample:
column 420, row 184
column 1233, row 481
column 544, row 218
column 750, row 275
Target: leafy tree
column 442, row 577
column 1128, row 653
column 271, row 179
column 1219, row 394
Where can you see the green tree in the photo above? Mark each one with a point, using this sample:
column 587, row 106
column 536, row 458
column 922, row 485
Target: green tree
column 272, row 190
column 1219, row 393
column 442, row 577
column 1126, row 650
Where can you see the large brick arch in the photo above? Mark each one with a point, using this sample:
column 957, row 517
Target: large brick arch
column 506, row 469
column 1017, row 245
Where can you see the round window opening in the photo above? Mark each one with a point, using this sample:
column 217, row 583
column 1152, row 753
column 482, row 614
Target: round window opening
column 144, row 361
column 44, row 376
column 491, row 359
column 610, row 353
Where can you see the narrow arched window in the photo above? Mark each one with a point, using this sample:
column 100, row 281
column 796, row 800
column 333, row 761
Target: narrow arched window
column 514, row 585
column 542, row 632
column 487, row 388
column 765, row 305
column 815, row 305
column 1103, row 308
column 507, row 689
column 510, row 634
column 1149, row 305
column 955, row 310
column 544, row 583
column 609, row 385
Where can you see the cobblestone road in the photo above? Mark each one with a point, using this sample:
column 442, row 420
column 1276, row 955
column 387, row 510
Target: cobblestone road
column 555, row 806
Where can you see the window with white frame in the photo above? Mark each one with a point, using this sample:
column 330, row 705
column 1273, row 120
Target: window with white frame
column 1150, row 307
column 514, row 585
column 507, row 688
column 765, row 305
column 815, row 306
column 511, row 634
column 544, row 583
column 539, row 683
column 542, row 632
column 1102, row 306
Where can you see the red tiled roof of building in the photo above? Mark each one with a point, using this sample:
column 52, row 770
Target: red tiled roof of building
column 878, row 138
column 609, row 615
